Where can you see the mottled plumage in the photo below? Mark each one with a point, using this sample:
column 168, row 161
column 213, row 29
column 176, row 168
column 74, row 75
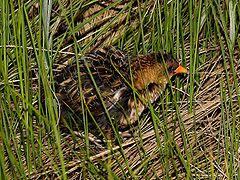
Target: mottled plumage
column 116, row 77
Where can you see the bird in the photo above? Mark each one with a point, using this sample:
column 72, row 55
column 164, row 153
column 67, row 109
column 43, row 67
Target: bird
column 111, row 86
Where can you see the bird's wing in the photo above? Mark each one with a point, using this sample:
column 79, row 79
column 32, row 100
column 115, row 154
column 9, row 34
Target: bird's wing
column 98, row 80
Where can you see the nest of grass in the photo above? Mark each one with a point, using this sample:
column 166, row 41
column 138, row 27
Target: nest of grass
column 197, row 137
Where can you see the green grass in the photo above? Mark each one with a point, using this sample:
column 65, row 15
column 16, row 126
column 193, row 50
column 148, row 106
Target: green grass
column 192, row 132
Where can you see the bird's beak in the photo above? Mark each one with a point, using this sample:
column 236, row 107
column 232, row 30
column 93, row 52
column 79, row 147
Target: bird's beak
column 180, row 70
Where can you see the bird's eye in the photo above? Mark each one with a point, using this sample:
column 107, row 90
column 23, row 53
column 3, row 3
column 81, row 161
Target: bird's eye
column 171, row 69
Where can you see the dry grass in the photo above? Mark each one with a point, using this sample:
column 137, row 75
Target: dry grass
column 175, row 141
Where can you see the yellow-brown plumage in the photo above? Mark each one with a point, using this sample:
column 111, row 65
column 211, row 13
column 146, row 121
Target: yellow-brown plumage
column 114, row 76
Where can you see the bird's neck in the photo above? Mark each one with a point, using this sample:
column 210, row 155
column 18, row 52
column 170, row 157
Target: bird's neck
column 149, row 75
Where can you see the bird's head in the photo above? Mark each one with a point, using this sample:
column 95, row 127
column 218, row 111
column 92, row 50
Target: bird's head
column 172, row 66
column 155, row 69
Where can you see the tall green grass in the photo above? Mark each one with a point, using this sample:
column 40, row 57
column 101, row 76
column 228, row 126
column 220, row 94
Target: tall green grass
column 198, row 33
